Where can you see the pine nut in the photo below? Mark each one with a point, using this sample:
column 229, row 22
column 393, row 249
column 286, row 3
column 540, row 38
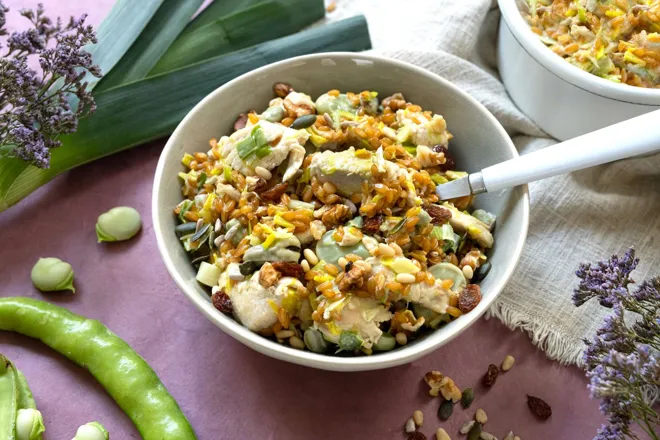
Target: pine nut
column 401, row 338
column 405, row 278
column 385, row 250
column 305, row 265
column 342, row 261
column 397, row 249
column 284, row 334
column 311, row 257
column 296, row 342
column 263, row 173
column 418, row 417
column 329, row 188
column 480, row 416
column 468, row 272
column 507, row 363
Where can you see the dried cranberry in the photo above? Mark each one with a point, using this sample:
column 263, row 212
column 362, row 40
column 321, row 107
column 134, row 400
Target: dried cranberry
column 450, row 164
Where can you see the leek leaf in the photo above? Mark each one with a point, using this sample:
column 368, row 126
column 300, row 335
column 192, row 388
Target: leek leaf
column 216, row 10
column 261, row 22
column 151, row 108
column 168, row 22
column 118, row 31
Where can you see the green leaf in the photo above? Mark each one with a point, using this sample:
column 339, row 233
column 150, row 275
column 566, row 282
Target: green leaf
column 165, row 26
column 261, row 22
column 216, row 10
column 118, row 31
column 151, row 108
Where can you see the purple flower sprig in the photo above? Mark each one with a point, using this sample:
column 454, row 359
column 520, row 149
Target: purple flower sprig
column 622, row 361
column 35, row 108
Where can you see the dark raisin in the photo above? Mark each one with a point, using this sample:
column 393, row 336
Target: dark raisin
column 469, row 298
column 416, row 436
column 445, row 410
column 258, row 185
column 439, row 215
column 241, row 122
column 287, row 269
column 348, row 266
column 450, row 164
column 371, row 226
column 282, row 89
column 222, row 302
column 491, row 376
column 275, row 193
column 539, row 407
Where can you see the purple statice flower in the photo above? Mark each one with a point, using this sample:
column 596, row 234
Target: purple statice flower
column 622, row 362
column 607, row 280
column 35, row 107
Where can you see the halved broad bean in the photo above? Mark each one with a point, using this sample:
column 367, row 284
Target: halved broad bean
column 118, row 224
column 315, row 341
column 447, row 271
column 52, row 274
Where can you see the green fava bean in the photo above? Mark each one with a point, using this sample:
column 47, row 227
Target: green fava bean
column 8, row 399
column 328, row 250
column 29, row 424
column 447, row 271
column 118, row 224
column 386, row 342
column 92, row 431
column 52, row 274
column 315, row 341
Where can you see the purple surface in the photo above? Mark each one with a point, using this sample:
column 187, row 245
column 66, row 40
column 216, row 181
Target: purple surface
column 227, row 390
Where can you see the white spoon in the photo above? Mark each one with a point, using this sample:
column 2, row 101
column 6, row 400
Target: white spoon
column 636, row 136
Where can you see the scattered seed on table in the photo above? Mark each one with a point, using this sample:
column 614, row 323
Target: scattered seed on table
column 467, row 426
column 418, row 417
column 491, row 376
column 410, row 426
column 509, row 436
column 445, row 410
column 475, row 432
column 401, row 338
column 539, row 407
column 296, row 342
column 507, row 363
column 487, row 436
column 441, row 434
column 480, row 416
column 467, row 397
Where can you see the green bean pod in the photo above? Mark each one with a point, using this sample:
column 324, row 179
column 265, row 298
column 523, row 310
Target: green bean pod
column 25, row 397
column 119, row 369
column 8, row 399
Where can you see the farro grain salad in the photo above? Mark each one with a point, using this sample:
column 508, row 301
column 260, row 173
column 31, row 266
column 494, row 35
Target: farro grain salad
column 615, row 39
column 316, row 223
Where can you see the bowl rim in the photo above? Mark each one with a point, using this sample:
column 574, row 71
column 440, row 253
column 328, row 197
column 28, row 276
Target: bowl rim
column 529, row 41
column 257, row 342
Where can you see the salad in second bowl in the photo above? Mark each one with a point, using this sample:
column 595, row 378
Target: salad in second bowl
column 316, row 223
column 614, row 39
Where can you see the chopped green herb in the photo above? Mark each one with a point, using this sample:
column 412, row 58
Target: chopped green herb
column 201, row 180
column 254, row 145
column 185, row 207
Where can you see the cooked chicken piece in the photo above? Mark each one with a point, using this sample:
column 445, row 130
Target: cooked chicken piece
column 284, row 142
column 360, row 315
column 433, row 297
column 255, row 306
column 475, row 228
column 416, row 127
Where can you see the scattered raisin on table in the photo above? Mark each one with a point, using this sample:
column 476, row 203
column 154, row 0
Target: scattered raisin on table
column 539, row 407
column 491, row 375
column 416, row 436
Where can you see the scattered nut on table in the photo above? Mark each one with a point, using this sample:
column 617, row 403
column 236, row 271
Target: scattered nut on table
column 487, row 436
column 467, row 426
column 441, row 434
column 418, row 417
column 480, row 416
column 410, row 426
column 509, row 436
column 507, row 363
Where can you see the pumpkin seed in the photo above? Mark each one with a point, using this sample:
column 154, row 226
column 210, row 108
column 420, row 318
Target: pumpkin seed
column 445, row 410
column 200, row 233
column 200, row 259
column 185, row 228
column 249, row 267
column 475, row 432
column 303, row 122
column 481, row 273
column 467, row 398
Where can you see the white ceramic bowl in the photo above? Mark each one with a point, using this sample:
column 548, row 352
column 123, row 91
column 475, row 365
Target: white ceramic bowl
column 479, row 141
column 562, row 99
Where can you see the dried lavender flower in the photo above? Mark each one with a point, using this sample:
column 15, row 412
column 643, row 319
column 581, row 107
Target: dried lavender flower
column 622, row 360
column 35, row 107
